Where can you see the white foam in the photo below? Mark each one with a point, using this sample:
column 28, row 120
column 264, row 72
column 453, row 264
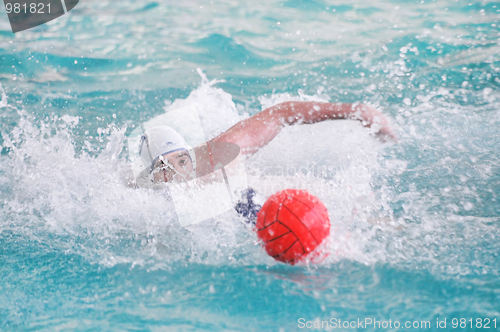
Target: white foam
column 3, row 102
column 215, row 107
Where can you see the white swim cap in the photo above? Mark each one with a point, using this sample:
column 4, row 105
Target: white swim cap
column 161, row 140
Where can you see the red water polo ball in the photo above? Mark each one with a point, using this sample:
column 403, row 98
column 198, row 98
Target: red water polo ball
column 291, row 224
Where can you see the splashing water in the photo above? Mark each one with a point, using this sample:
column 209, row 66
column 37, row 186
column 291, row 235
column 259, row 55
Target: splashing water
column 85, row 200
column 415, row 224
column 3, row 102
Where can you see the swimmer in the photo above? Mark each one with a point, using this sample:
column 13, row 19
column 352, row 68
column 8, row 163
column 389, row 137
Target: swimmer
column 172, row 160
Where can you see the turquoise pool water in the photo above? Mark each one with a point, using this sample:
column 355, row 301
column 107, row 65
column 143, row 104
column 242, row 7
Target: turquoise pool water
column 81, row 250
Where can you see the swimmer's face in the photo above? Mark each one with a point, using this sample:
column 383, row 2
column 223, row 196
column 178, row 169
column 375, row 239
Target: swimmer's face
column 175, row 166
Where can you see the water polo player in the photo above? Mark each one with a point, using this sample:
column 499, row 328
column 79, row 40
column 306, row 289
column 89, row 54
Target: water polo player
column 174, row 161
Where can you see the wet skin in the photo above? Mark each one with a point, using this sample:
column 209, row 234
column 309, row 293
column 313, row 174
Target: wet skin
column 174, row 166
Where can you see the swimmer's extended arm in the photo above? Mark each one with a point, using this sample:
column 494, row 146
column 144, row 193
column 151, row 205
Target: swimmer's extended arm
column 257, row 131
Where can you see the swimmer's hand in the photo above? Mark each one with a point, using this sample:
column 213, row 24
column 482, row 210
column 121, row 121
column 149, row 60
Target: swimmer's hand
column 372, row 118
